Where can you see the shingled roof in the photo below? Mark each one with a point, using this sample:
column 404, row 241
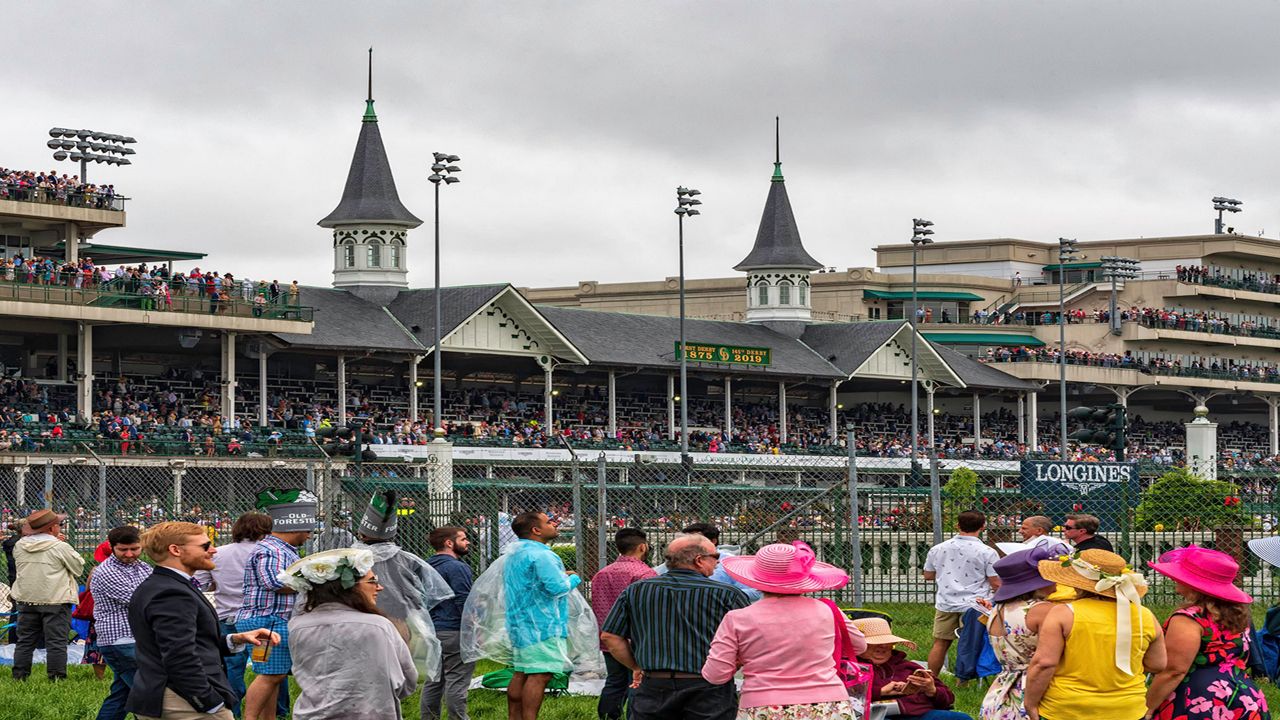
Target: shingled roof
column 347, row 322
column 778, row 239
column 611, row 338
column 370, row 194
column 417, row 308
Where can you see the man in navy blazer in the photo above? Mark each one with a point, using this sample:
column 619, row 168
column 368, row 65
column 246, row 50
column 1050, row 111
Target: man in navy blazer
column 179, row 647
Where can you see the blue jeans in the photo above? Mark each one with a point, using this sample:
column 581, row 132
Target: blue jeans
column 938, row 715
column 236, row 664
column 120, row 659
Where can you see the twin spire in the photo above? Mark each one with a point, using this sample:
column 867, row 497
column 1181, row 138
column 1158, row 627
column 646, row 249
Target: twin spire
column 778, row 239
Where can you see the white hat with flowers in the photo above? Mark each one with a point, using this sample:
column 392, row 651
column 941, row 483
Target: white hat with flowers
column 345, row 564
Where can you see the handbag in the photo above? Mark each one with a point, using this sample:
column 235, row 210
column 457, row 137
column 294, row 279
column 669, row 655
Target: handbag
column 84, row 606
column 856, row 676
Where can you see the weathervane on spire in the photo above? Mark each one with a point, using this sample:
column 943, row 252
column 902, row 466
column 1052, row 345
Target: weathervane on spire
column 777, row 149
column 369, row 116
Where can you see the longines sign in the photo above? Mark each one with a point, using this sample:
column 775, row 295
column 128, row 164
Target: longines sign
column 1106, row 490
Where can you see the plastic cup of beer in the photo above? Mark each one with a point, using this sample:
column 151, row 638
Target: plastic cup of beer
column 261, row 653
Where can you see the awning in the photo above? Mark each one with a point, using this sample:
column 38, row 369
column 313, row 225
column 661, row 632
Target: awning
column 1073, row 266
column 922, row 295
column 984, row 338
column 109, row 254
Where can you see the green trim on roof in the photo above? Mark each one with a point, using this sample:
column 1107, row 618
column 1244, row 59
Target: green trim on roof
column 1074, row 266
column 90, row 248
column 922, row 295
column 983, row 338
column 369, row 115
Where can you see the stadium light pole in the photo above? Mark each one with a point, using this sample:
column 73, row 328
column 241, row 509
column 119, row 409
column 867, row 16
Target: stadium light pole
column 1224, row 204
column 1067, row 251
column 920, row 235
column 1117, row 268
column 685, row 201
column 85, row 147
column 442, row 173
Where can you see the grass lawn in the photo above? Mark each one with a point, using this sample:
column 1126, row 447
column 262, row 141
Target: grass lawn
column 80, row 696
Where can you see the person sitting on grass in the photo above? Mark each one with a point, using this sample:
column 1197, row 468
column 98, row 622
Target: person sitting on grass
column 918, row 693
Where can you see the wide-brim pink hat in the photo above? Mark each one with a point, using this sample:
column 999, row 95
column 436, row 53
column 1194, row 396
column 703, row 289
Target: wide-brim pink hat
column 786, row 570
column 1210, row 572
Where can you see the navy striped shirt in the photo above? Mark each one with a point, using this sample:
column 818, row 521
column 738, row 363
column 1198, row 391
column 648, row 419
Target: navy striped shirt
column 671, row 619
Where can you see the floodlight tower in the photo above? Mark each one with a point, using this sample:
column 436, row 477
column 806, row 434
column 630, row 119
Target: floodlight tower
column 1224, row 204
column 88, row 146
column 686, row 199
column 442, row 173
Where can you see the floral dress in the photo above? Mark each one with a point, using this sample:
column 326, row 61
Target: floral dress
column 1014, row 650
column 1216, row 686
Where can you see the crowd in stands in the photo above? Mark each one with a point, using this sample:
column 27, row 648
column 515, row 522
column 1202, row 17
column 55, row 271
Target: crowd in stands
column 1257, row 281
column 50, row 187
column 1163, row 318
column 1194, row 367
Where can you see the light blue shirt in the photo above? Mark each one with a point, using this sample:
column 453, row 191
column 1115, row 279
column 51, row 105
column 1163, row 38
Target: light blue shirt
column 719, row 575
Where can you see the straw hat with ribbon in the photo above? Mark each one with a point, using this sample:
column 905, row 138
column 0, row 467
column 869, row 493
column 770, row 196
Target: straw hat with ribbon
column 785, row 569
column 1103, row 573
column 878, row 632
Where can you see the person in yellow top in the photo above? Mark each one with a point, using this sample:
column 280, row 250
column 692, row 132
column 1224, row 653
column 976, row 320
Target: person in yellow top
column 1094, row 650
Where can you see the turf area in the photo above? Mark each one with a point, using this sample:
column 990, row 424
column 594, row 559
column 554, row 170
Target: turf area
column 80, row 696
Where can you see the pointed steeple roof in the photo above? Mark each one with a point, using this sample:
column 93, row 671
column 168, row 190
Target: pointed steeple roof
column 370, row 195
column 778, row 239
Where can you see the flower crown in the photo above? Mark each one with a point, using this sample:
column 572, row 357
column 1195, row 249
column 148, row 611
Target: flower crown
column 347, row 565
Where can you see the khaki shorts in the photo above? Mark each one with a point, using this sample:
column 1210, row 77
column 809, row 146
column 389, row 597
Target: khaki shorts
column 946, row 625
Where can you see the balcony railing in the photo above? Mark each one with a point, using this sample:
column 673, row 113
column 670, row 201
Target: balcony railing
column 116, row 295
column 1269, row 374
column 69, row 198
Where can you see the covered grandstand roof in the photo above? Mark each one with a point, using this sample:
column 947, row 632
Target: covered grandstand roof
column 346, row 321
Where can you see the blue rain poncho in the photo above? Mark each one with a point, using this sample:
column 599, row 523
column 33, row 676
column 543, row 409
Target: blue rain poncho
column 492, row 624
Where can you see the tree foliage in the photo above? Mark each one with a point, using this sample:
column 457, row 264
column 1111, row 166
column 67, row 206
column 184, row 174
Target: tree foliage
column 1182, row 500
column 959, row 494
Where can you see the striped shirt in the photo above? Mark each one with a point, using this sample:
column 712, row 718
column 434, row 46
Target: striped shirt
column 269, row 558
column 112, row 586
column 671, row 619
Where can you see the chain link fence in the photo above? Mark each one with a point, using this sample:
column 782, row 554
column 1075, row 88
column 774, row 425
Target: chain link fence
column 754, row 500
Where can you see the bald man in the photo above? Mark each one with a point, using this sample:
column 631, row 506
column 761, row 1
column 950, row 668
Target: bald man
column 666, row 657
column 1035, row 532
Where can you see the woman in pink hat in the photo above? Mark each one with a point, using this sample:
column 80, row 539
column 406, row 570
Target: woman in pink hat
column 1207, row 640
column 784, row 643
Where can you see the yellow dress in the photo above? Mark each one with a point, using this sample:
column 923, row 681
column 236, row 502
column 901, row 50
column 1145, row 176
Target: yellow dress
column 1087, row 682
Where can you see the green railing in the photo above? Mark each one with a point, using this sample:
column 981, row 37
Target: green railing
column 117, row 295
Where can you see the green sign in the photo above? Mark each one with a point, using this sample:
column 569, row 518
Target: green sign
column 724, row 354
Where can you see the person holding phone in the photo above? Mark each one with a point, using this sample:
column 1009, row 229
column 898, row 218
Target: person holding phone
column 918, row 693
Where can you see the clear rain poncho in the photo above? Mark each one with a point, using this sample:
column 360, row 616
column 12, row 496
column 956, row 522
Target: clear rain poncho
column 484, row 623
column 410, row 588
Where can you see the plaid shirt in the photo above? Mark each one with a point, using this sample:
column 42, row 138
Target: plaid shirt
column 112, row 586
column 269, row 559
column 612, row 579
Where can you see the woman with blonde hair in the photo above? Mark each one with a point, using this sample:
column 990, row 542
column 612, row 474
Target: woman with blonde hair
column 1208, row 642
column 1092, row 651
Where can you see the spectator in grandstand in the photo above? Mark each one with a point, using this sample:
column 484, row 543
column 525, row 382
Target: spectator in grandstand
column 606, row 585
column 451, row 545
column 1093, row 651
column 1206, row 640
column 350, row 661
column 113, row 583
column 410, row 586
column 918, row 693
column 787, row 666
column 226, row 580
column 1082, row 529
column 1019, row 609
column 268, row 602
column 537, row 586
column 179, row 646
column 667, row 657
column 964, row 570
column 47, row 573
column 712, row 533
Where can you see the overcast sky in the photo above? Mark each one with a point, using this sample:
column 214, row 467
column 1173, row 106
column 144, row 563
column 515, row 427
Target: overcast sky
column 576, row 121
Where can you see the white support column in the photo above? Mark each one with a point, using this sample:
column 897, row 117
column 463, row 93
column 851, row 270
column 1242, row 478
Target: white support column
column 1022, row 419
column 342, row 390
column 1033, row 422
column 728, row 407
column 62, row 357
column 20, row 475
column 832, row 407
column 84, row 372
column 229, row 376
column 262, row 385
column 671, row 407
column 1273, row 422
column 178, row 473
column 413, row 388
column 613, row 404
column 929, row 398
column 548, row 411
column 977, row 425
column 782, row 412
column 71, row 241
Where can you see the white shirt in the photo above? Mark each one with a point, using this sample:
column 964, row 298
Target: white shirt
column 228, row 576
column 1039, row 540
column 963, row 565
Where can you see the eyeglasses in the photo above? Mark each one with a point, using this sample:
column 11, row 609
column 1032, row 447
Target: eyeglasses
column 1069, row 527
column 372, row 581
column 203, row 546
column 714, row 556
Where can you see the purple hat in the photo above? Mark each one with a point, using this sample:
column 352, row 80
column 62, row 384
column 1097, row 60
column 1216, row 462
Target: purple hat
column 1020, row 573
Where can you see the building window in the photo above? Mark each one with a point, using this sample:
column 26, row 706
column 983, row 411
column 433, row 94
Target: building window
column 395, row 257
column 375, row 256
column 764, row 294
column 784, row 293
column 804, row 295
column 348, row 256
